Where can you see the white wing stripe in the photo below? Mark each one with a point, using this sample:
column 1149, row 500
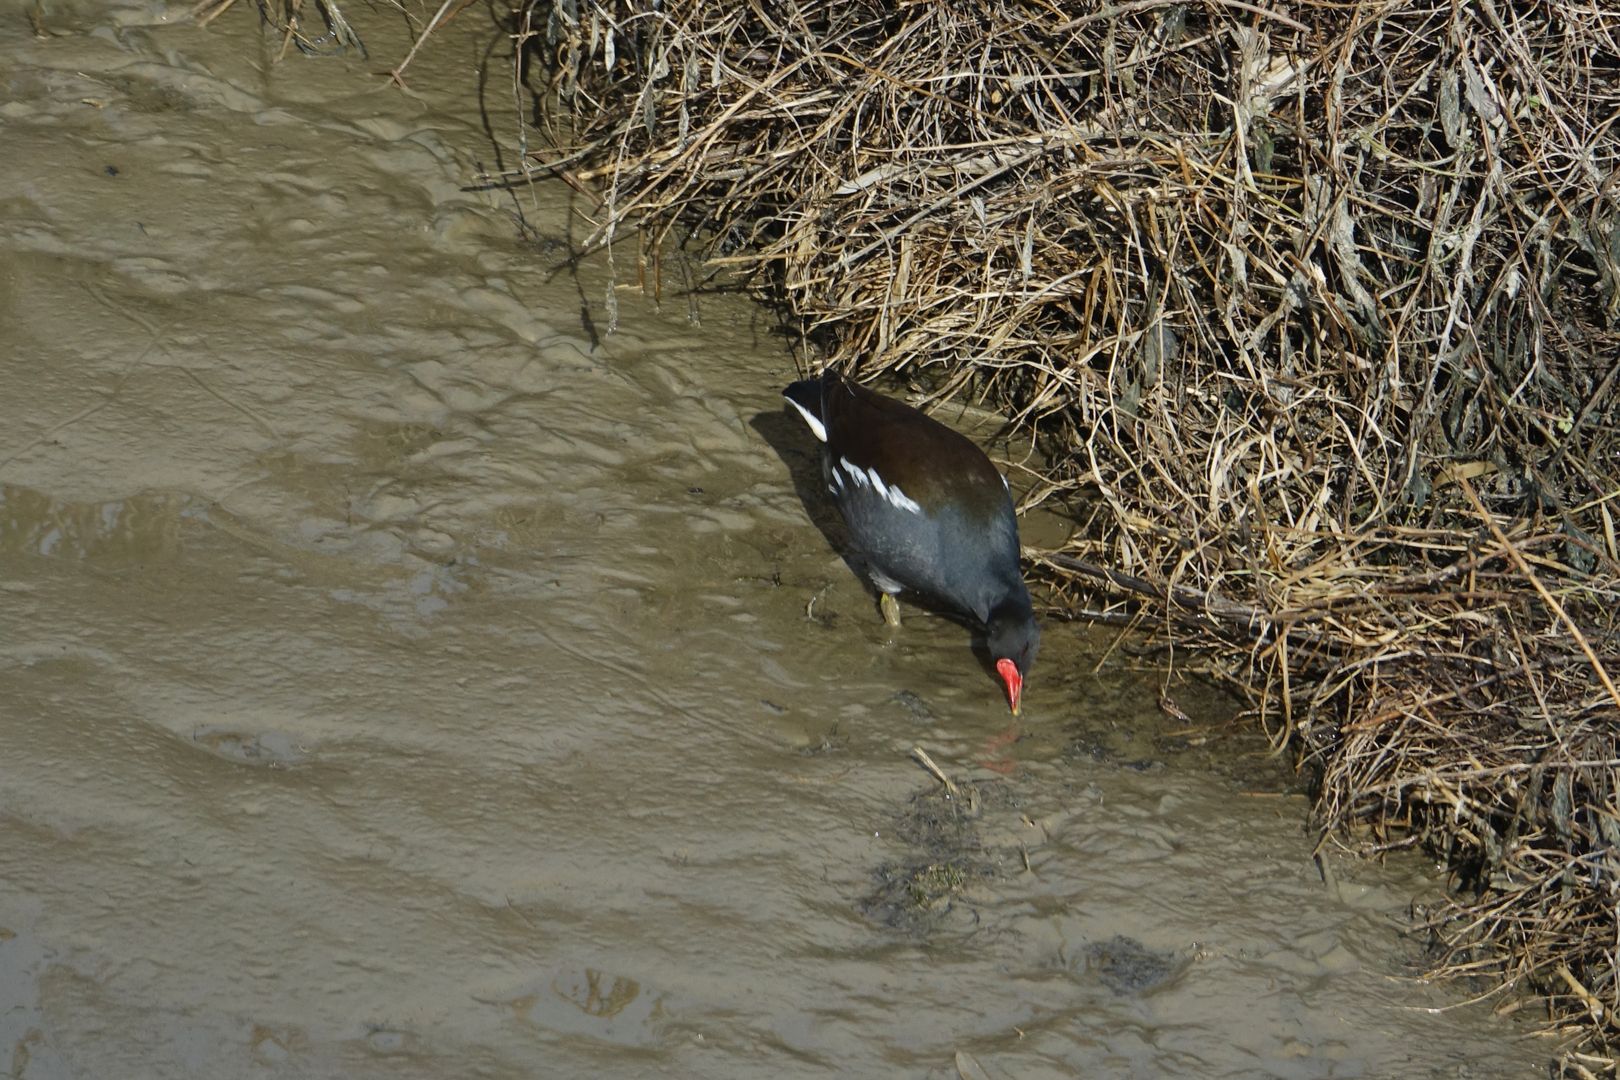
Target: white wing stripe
column 870, row 478
column 899, row 499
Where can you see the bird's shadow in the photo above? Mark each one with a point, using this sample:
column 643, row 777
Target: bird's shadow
column 801, row 453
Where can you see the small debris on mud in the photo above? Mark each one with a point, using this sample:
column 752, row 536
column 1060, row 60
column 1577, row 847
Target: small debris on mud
column 915, row 706
column 1126, row 966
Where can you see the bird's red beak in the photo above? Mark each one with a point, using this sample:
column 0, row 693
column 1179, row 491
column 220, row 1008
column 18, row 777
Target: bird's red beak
column 1015, row 682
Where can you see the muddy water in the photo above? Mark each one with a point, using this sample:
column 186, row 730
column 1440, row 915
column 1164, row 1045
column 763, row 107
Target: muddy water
column 402, row 676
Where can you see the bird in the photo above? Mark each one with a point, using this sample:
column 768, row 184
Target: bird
column 927, row 514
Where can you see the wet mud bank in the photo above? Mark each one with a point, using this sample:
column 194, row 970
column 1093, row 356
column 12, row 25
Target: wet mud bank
column 400, row 675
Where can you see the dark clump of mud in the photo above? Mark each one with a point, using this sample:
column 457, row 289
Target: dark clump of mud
column 946, row 856
column 1126, row 966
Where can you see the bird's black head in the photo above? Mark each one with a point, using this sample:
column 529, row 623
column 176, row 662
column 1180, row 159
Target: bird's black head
column 1013, row 639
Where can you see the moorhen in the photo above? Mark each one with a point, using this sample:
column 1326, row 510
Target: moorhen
column 927, row 513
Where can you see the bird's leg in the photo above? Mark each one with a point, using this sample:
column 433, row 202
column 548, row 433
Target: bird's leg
column 890, row 609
